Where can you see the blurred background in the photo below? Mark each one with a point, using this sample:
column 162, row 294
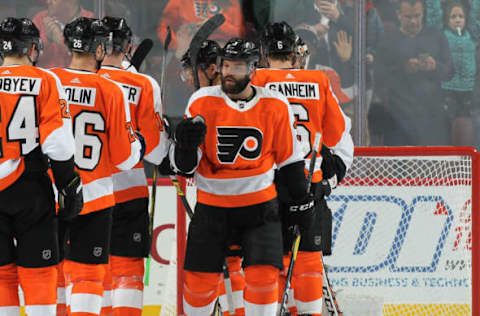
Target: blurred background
column 405, row 71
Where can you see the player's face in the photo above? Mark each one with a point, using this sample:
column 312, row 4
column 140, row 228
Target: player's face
column 234, row 76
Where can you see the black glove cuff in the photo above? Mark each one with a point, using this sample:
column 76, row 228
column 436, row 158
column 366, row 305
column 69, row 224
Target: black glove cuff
column 63, row 172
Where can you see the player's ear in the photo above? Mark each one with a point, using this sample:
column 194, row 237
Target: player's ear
column 99, row 52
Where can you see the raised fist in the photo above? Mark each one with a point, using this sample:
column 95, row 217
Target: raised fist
column 190, row 132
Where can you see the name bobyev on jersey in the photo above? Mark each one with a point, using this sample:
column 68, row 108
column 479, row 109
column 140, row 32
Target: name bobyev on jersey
column 81, row 95
column 245, row 142
column 298, row 90
column 25, row 85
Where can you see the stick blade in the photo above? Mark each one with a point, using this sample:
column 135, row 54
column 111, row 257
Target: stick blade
column 141, row 52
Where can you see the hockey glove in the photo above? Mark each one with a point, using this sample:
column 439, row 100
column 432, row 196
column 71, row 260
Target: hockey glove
column 302, row 213
column 167, row 126
column 190, row 132
column 333, row 168
column 141, row 139
column 70, row 199
column 321, row 189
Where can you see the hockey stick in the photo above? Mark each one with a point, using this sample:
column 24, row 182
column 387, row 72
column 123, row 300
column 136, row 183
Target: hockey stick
column 140, row 53
column 136, row 62
column 296, row 230
column 202, row 34
column 329, row 298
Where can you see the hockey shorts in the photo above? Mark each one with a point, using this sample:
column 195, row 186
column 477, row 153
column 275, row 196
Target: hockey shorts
column 256, row 227
column 88, row 237
column 130, row 236
column 27, row 213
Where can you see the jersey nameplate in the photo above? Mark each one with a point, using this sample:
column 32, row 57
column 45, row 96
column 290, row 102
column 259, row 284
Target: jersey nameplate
column 297, row 90
column 132, row 93
column 81, row 95
column 20, row 85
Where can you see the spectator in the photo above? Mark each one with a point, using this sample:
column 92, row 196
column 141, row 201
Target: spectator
column 51, row 22
column 411, row 63
column 458, row 91
column 186, row 16
column 434, row 15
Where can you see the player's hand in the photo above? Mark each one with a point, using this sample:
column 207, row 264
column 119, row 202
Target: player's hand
column 190, row 132
column 302, row 213
column 70, row 199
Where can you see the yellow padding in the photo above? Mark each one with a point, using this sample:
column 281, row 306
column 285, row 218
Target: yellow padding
column 427, row 310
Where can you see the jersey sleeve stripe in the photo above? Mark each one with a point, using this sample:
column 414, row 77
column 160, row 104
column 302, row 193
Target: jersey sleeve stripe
column 344, row 148
column 8, row 167
column 57, row 145
column 160, row 151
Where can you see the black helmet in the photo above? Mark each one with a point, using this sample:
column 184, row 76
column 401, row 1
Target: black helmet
column 85, row 34
column 239, row 49
column 207, row 55
column 278, row 38
column 122, row 34
column 17, row 36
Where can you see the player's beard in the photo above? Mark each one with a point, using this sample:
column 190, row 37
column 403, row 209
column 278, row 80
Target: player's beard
column 236, row 88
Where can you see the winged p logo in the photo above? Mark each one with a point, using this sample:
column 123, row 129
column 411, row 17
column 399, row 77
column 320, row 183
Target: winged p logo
column 238, row 141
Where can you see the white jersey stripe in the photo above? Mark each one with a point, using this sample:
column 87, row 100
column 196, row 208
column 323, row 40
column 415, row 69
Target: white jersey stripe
column 8, row 167
column 235, row 186
column 97, row 189
column 129, row 179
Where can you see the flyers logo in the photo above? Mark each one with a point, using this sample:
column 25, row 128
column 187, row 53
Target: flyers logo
column 238, row 141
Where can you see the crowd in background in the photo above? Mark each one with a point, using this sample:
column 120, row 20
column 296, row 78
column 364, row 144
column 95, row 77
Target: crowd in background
column 422, row 84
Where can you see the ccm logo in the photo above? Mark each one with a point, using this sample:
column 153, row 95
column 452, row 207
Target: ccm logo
column 301, row 208
column 232, row 142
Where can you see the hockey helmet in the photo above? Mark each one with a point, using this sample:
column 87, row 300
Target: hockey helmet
column 85, row 34
column 17, row 36
column 207, row 54
column 122, row 34
column 278, row 38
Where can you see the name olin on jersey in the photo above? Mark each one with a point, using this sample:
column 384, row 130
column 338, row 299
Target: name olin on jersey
column 81, row 95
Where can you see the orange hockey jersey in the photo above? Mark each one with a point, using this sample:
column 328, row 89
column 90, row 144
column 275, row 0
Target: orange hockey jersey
column 31, row 107
column 143, row 94
column 243, row 144
column 315, row 108
column 104, row 135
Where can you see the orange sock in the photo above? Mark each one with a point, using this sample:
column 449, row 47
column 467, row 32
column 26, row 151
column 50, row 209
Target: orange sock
column 107, row 309
column 200, row 290
column 61, row 299
column 39, row 287
column 9, row 303
column 127, row 290
column 86, row 284
column 308, row 290
column 261, row 290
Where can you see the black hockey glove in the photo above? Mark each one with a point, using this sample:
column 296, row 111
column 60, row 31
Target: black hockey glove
column 70, row 199
column 141, row 139
column 302, row 213
column 321, row 189
column 190, row 132
column 332, row 165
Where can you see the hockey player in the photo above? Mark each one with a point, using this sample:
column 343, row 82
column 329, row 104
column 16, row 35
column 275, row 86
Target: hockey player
column 208, row 75
column 130, row 241
column 247, row 132
column 105, row 139
column 32, row 105
column 316, row 109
